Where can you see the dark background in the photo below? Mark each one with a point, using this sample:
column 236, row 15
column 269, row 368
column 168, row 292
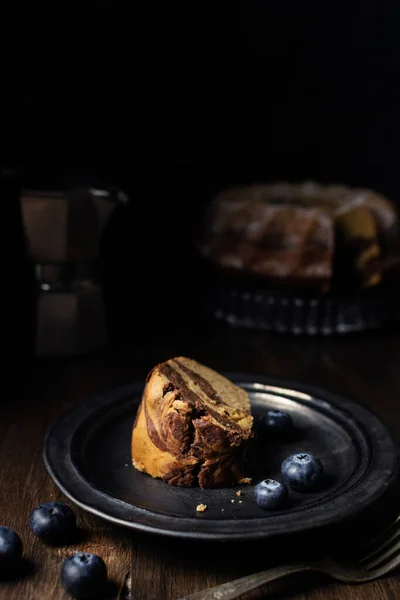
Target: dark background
column 174, row 103
column 262, row 90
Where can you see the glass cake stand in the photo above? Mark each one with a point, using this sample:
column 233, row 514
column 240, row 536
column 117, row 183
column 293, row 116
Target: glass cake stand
column 299, row 312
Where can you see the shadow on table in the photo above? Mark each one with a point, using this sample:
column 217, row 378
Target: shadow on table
column 22, row 570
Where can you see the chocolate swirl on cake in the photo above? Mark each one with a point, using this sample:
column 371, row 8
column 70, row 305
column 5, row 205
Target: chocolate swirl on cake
column 192, row 426
column 302, row 235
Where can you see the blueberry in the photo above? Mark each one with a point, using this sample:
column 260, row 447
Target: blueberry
column 277, row 421
column 270, row 494
column 84, row 575
column 53, row 522
column 302, row 471
column 10, row 547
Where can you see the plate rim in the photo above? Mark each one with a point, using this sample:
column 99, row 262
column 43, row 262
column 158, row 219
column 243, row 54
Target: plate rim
column 81, row 412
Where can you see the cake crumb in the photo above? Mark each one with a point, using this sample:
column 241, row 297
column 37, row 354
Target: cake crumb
column 239, row 493
column 232, row 501
column 201, row 507
column 245, row 480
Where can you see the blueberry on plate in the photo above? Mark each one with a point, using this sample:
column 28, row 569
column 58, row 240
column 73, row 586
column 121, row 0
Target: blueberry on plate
column 271, row 494
column 10, row 547
column 53, row 522
column 84, row 575
column 303, row 472
column 278, row 422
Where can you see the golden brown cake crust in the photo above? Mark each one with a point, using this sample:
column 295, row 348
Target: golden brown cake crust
column 191, row 426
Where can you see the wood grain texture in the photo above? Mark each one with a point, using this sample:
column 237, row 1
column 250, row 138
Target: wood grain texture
column 365, row 368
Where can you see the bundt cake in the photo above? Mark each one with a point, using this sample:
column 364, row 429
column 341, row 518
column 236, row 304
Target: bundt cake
column 192, row 426
column 304, row 234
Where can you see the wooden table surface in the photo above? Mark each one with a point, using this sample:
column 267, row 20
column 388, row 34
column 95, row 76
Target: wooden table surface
column 364, row 367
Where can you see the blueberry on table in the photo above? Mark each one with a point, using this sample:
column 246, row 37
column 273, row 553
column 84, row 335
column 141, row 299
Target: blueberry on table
column 270, row 494
column 277, row 421
column 10, row 547
column 53, row 522
column 303, row 472
column 84, row 575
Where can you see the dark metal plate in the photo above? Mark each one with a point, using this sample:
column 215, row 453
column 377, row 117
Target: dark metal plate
column 88, row 456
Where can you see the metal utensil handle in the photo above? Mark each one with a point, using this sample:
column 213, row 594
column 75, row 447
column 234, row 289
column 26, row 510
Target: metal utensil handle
column 237, row 587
